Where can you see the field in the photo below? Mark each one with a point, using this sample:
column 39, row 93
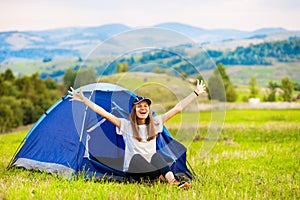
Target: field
column 257, row 156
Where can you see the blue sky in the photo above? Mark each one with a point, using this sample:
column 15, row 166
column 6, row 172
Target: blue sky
column 246, row 15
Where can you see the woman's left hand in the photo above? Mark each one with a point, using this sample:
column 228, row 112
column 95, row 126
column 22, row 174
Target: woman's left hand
column 200, row 88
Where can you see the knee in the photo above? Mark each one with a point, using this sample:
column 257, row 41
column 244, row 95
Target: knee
column 137, row 157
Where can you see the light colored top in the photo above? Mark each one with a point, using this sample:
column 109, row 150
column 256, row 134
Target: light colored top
column 133, row 146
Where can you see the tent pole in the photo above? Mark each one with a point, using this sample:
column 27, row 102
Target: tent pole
column 190, row 167
column 82, row 130
column 13, row 157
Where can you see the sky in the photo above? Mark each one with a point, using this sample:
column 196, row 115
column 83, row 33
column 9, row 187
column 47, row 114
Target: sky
column 246, row 15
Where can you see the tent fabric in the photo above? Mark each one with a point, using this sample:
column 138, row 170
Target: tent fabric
column 70, row 138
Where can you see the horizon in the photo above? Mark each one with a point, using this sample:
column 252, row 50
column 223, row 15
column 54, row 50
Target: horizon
column 245, row 15
column 136, row 27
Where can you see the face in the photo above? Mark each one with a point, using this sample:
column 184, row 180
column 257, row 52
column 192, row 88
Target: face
column 142, row 110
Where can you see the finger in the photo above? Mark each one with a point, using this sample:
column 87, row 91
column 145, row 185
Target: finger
column 197, row 82
column 70, row 92
column 72, row 88
column 201, row 82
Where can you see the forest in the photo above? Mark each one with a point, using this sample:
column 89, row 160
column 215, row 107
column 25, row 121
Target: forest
column 24, row 99
column 263, row 54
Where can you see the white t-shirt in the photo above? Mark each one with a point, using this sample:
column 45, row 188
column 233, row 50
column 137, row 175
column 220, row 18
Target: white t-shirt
column 133, row 146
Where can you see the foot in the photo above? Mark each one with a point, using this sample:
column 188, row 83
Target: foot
column 183, row 184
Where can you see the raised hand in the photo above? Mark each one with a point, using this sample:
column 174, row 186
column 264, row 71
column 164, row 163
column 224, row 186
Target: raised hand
column 200, row 88
column 75, row 95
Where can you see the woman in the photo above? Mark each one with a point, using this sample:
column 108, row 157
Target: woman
column 139, row 132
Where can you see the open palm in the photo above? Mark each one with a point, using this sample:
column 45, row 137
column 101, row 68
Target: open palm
column 78, row 96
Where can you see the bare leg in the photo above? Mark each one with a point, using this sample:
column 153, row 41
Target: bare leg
column 171, row 179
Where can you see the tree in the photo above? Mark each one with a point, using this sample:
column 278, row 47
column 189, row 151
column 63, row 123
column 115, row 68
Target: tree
column 30, row 113
column 222, row 70
column 182, row 74
column 200, row 77
column 253, row 87
column 218, row 82
column 47, row 59
column 3, row 89
column 6, row 114
column 287, row 87
column 296, row 86
column 215, row 87
column 51, row 84
column 11, row 113
column 159, row 70
column 85, row 76
column 231, row 95
column 69, row 78
column 122, row 67
column 8, row 75
column 271, row 92
column 34, row 89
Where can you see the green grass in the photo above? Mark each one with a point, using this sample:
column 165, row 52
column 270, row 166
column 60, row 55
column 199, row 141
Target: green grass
column 240, row 74
column 242, row 117
column 256, row 157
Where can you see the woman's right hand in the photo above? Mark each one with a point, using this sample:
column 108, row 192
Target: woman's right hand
column 78, row 96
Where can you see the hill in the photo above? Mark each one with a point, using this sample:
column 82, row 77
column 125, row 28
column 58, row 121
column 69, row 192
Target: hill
column 163, row 89
column 79, row 41
column 241, row 64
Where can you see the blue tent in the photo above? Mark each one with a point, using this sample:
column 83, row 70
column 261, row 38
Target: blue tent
column 69, row 138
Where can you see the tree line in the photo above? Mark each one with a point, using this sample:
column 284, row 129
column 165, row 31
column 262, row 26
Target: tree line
column 228, row 93
column 24, row 99
column 259, row 54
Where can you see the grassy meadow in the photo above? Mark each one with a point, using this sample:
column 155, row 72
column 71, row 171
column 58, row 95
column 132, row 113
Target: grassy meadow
column 257, row 156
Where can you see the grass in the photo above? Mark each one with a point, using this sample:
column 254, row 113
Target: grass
column 256, row 157
column 31, row 67
column 242, row 117
column 241, row 74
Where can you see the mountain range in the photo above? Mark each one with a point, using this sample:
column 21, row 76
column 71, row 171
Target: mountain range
column 79, row 41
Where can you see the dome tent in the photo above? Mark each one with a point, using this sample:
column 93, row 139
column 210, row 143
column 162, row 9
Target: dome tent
column 69, row 138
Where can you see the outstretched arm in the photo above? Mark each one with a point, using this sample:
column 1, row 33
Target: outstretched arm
column 96, row 108
column 184, row 102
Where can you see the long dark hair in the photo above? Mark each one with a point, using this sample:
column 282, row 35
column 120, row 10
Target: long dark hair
column 149, row 122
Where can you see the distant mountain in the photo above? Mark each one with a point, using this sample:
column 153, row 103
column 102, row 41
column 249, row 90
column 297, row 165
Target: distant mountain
column 79, row 41
column 266, row 31
column 190, row 31
column 216, row 35
column 87, row 33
